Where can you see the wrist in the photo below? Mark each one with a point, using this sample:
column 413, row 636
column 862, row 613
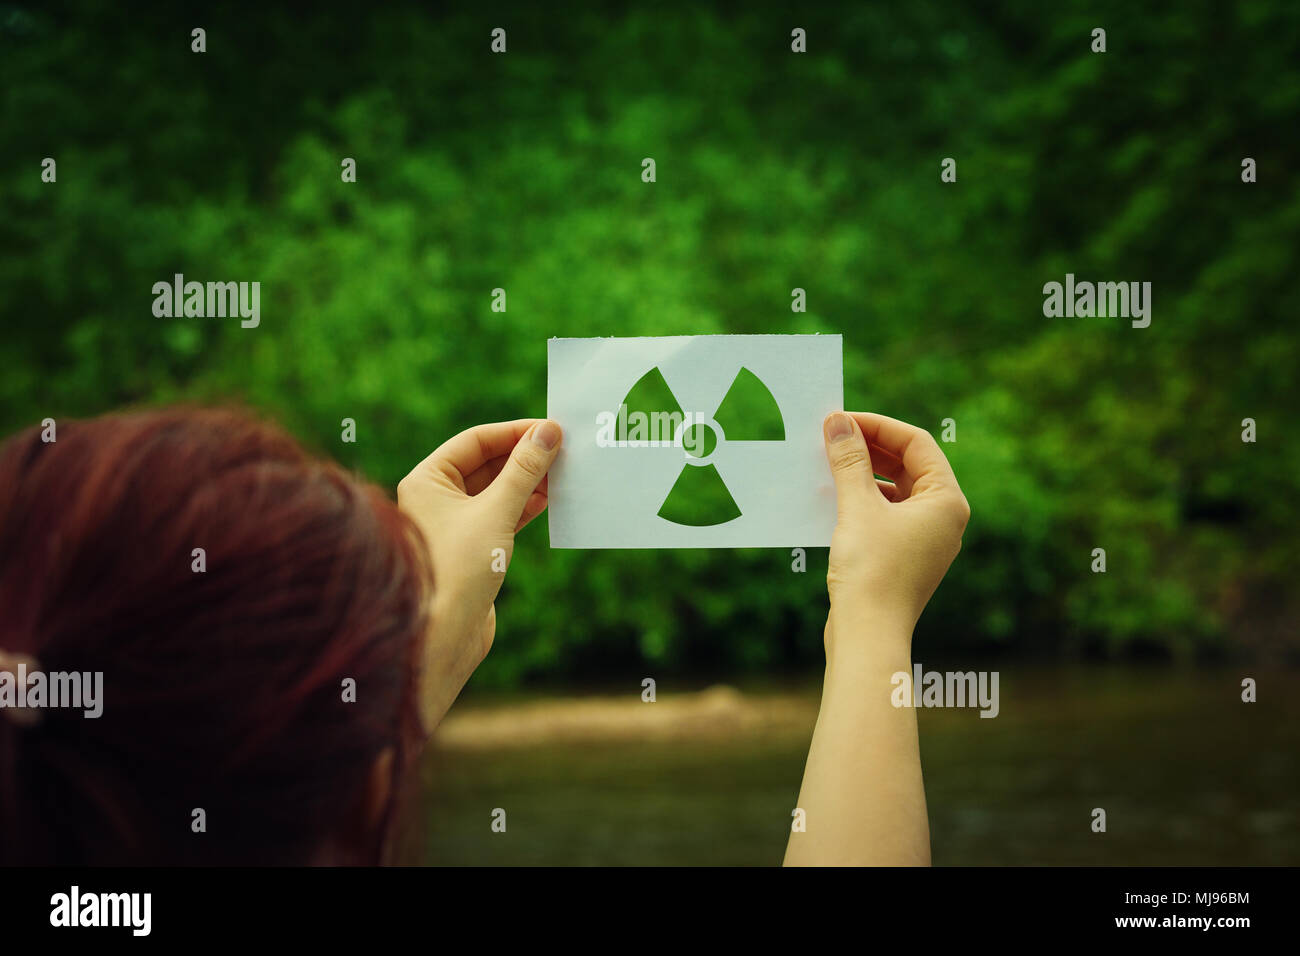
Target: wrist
column 863, row 634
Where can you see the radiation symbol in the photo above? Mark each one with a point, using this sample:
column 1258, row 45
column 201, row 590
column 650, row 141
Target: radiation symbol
column 748, row 412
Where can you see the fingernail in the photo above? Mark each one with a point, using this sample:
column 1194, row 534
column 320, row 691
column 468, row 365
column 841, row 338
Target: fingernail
column 547, row 434
column 838, row 426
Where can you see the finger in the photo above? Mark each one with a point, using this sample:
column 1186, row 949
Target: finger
column 850, row 462
column 465, row 453
column 525, row 470
column 923, row 461
column 536, row 505
column 487, row 474
column 887, row 466
column 891, row 491
column 480, row 479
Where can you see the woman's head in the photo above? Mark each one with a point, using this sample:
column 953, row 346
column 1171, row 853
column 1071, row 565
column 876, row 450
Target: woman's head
column 257, row 616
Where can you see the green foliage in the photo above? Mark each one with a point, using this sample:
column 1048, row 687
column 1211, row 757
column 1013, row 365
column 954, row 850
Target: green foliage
column 774, row 171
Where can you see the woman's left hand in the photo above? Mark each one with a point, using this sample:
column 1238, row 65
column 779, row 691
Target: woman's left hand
column 469, row 499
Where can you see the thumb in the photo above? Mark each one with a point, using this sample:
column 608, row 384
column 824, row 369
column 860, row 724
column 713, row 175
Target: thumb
column 529, row 461
column 846, row 450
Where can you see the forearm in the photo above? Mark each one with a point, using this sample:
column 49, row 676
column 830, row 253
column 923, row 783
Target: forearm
column 863, row 796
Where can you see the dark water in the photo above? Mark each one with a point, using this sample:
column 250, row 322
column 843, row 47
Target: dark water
column 1186, row 772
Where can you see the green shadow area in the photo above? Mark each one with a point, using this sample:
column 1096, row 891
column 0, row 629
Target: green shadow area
column 698, row 498
column 749, row 412
column 653, row 401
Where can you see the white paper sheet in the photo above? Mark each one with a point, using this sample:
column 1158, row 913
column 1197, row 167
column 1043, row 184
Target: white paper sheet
column 611, row 496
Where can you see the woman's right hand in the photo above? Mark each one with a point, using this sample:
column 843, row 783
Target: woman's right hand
column 863, row 795
column 893, row 540
column 469, row 499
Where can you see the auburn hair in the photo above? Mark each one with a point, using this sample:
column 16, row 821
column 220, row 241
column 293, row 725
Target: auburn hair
column 230, row 587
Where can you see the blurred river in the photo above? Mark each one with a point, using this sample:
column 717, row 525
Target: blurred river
column 1187, row 773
